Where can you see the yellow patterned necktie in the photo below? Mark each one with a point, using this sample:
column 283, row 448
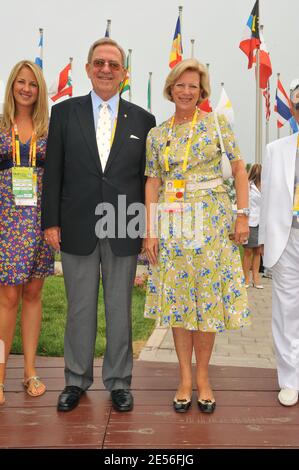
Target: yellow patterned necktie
column 103, row 134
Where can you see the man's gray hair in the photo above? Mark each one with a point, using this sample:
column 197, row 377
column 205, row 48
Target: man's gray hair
column 103, row 42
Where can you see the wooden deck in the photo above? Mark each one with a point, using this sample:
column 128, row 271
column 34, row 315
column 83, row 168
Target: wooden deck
column 248, row 414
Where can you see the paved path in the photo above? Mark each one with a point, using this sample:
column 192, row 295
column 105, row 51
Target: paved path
column 249, row 347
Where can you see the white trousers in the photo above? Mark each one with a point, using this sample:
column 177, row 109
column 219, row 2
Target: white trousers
column 285, row 313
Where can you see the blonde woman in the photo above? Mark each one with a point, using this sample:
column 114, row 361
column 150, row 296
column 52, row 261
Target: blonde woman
column 196, row 284
column 25, row 259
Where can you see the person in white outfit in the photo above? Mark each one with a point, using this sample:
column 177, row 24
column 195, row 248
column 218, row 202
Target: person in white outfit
column 252, row 249
column 279, row 232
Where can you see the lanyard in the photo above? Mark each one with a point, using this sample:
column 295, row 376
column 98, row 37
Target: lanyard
column 16, row 156
column 169, row 137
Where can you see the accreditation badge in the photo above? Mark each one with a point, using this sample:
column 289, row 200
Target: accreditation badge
column 24, row 186
column 174, row 195
column 175, row 191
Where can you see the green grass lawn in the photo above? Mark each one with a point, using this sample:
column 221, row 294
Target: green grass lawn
column 54, row 316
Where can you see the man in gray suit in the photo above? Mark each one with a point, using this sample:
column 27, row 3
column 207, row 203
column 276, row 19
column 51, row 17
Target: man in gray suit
column 80, row 173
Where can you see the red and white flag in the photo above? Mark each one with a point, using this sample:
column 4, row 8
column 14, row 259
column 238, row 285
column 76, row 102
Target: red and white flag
column 265, row 64
column 206, row 106
column 63, row 85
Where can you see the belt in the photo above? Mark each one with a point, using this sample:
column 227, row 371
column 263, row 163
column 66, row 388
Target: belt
column 195, row 186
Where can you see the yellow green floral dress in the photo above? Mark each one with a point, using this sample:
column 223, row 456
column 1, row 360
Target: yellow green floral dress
column 197, row 284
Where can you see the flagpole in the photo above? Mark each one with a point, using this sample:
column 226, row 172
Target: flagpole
column 278, row 128
column 261, row 118
column 192, row 48
column 267, row 120
column 181, row 21
column 71, row 67
column 109, row 27
column 258, row 119
column 41, row 33
column 130, row 74
column 149, row 93
column 208, row 68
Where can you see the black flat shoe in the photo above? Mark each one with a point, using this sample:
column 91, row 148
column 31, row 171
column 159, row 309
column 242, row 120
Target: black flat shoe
column 69, row 398
column 206, row 406
column 122, row 400
column 181, row 405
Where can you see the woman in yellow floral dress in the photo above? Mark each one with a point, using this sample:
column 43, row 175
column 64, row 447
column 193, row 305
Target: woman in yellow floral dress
column 196, row 284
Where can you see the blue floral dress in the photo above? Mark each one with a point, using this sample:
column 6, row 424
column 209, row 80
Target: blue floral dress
column 23, row 252
column 197, row 286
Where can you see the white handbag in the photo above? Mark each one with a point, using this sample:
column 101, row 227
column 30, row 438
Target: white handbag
column 226, row 167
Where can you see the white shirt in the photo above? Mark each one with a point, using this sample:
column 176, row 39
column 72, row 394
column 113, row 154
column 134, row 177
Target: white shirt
column 254, row 205
column 97, row 101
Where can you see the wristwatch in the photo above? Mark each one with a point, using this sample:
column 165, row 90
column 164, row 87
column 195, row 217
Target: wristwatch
column 244, row 211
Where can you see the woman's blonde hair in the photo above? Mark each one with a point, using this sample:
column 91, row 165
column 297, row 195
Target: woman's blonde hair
column 254, row 174
column 194, row 66
column 40, row 117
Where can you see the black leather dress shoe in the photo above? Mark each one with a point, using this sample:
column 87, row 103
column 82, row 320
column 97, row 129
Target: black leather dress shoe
column 181, row 405
column 206, row 406
column 69, row 398
column 122, row 400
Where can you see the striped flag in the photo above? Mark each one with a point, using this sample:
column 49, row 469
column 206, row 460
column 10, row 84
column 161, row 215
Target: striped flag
column 266, row 94
column 125, row 85
column 39, row 58
column 63, row 85
column 251, row 38
column 282, row 106
column 176, row 53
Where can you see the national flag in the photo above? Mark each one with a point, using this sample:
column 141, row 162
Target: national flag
column 294, row 125
column 266, row 94
column 251, row 38
column 282, row 106
column 176, row 53
column 206, row 106
column 39, row 58
column 224, row 106
column 125, row 85
column 63, row 85
column 265, row 64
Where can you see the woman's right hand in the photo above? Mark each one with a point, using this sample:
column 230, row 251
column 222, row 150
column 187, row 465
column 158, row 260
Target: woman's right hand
column 151, row 249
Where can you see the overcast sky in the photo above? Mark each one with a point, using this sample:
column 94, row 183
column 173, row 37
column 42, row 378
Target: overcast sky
column 147, row 27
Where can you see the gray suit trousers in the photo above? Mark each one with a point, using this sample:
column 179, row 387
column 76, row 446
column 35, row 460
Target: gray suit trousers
column 82, row 277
